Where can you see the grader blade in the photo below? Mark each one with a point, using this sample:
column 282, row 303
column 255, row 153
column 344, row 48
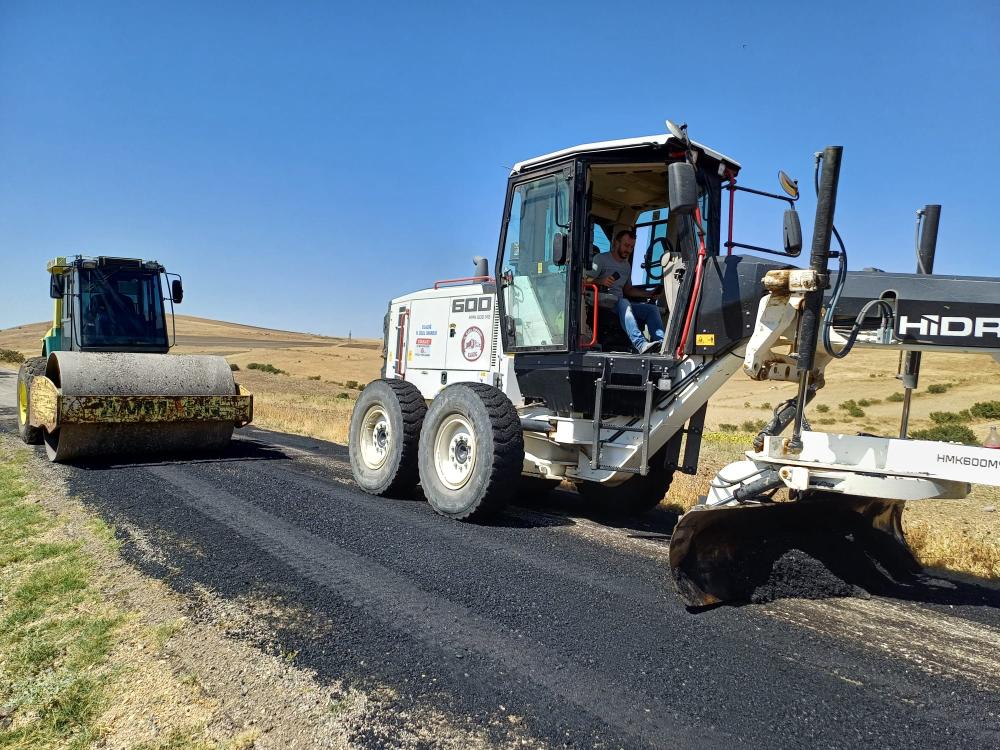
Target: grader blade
column 728, row 553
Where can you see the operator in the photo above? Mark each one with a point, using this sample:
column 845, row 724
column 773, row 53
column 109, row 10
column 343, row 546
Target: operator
column 613, row 270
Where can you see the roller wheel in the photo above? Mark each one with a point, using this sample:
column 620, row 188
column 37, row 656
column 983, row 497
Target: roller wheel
column 384, row 437
column 30, row 368
column 471, row 451
column 634, row 496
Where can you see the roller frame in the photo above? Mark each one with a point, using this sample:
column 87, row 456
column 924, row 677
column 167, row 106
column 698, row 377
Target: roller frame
column 51, row 409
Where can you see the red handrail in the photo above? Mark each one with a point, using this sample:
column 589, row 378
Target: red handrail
column 593, row 338
column 439, row 284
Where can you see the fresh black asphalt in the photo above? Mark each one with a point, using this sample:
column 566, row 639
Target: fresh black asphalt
column 520, row 627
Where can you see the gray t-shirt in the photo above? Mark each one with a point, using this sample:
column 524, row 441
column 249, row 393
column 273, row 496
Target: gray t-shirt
column 606, row 264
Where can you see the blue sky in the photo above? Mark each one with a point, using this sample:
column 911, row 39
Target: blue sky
column 301, row 163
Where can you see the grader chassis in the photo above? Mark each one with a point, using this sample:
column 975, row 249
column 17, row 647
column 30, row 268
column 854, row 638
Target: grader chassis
column 494, row 381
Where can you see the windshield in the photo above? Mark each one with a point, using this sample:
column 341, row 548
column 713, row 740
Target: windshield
column 121, row 308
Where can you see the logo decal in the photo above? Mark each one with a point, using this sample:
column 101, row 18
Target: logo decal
column 473, row 344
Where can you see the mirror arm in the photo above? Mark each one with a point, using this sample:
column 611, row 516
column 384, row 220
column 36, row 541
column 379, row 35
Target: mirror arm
column 731, row 245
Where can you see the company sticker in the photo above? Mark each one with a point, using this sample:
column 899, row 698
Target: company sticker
column 705, row 339
column 473, row 344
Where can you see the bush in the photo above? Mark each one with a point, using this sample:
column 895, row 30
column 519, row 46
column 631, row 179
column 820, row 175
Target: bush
column 826, row 420
column 753, row 425
column 353, row 384
column 269, row 368
column 9, row 355
column 728, row 427
column 343, row 395
column 766, row 405
column 864, row 402
column 948, row 433
column 314, row 377
column 939, row 387
column 894, row 397
column 985, row 410
column 852, row 408
column 950, row 417
column 746, row 404
column 234, row 367
column 822, row 408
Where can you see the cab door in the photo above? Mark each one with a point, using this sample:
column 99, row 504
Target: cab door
column 534, row 267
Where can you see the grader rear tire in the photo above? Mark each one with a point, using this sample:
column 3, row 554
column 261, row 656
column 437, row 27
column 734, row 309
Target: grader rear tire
column 471, row 451
column 384, row 437
column 634, row 496
column 29, row 369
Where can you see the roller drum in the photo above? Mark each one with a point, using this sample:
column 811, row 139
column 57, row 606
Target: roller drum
column 130, row 374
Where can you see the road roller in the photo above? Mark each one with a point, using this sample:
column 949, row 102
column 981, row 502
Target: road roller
column 105, row 384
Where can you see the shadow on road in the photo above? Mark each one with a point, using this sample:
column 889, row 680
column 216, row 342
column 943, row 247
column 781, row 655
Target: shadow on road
column 238, row 450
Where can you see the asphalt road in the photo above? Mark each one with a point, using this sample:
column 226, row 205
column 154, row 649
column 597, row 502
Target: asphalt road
column 546, row 623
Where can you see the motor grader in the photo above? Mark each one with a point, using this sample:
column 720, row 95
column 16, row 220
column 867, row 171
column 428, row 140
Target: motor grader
column 495, row 383
column 105, row 386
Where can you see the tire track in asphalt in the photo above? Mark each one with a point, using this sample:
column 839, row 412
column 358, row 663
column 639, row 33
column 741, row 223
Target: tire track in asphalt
column 395, row 601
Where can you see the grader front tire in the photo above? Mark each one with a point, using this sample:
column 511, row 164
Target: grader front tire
column 471, row 451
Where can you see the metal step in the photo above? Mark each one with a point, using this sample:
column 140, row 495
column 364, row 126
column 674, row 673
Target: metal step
column 612, row 467
column 615, row 387
column 621, row 428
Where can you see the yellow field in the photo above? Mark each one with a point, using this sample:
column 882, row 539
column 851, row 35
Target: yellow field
column 324, row 376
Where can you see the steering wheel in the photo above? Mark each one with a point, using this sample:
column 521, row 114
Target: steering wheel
column 654, row 271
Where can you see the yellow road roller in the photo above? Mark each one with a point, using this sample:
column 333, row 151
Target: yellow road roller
column 105, row 385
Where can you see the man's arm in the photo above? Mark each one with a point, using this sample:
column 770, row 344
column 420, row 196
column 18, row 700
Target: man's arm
column 630, row 292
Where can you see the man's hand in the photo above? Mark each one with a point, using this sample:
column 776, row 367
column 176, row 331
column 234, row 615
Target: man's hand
column 607, row 282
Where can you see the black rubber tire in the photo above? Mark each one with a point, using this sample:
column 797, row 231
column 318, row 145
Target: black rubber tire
column 499, row 451
column 404, row 407
column 633, row 497
column 29, row 369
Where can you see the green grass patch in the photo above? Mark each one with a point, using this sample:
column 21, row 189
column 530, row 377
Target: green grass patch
column 985, row 410
column 56, row 632
column 266, row 367
column 852, row 408
column 949, row 433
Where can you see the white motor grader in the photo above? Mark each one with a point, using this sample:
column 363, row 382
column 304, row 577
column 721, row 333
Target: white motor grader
column 497, row 385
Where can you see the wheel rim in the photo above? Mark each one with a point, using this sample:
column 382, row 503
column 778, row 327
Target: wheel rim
column 455, row 452
column 22, row 401
column 376, row 437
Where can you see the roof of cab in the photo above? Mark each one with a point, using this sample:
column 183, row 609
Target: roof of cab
column 624, row 143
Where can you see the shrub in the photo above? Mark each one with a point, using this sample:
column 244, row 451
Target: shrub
column 766, row 405
column 314, row 377
column 852, row 408
column 985, row 410
column 753, row 425
column 9, row 355
column 938, row 387
column 950, row 417
column 343, row 395
column 949, row 433
column 269, row 368
column 728, row 427
column 352, row 384
column 822, row 408
column 826, row 420
column 234, row 367
column 864, row 402
column 894, row 397
column 746, row 404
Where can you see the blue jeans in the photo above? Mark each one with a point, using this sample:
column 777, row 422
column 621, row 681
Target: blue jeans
column 638, row 315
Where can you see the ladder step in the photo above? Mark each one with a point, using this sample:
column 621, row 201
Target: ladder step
column 613, row 387
column 621, row 428
column 623, row 469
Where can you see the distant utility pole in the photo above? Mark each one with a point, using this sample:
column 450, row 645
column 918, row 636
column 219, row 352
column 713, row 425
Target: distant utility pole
column 348, row 337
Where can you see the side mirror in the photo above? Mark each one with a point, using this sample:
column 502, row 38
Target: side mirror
column 482, row 266
column 683, row 187
column 57, row 286
column 560, row 249
column 177, row 291
column 792, row 233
